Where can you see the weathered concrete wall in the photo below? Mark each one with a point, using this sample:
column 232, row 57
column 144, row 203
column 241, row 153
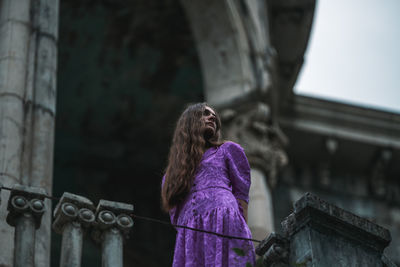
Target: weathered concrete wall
column 28, row 56
column 346, row 190
column 318, row 233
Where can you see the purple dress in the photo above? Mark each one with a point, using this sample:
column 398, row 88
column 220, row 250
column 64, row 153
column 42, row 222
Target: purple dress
column 222, row 178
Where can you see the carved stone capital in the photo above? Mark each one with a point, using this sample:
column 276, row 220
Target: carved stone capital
column 26, row 200
column 112, row 215
column 251, row 126
column 73, row 208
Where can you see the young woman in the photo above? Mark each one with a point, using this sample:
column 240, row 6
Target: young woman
column 206, row 186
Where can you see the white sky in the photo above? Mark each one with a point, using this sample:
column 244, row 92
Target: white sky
column 354, row 53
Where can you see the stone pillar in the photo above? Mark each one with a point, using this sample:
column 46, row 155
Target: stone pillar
column 73, row 215
column 113, row 226
column 26, row 208
column 260, row 209
column 238, row 63
column 28, row 56
column 320, row 234
column 249, row 126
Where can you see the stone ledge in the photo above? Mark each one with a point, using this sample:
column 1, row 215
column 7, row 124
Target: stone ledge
column 312, row 211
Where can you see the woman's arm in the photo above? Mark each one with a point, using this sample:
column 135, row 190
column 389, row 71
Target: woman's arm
column 244, row 206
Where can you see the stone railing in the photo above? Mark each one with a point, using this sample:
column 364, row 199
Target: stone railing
column 316, row 233
column 320, row 234
column 109, row 224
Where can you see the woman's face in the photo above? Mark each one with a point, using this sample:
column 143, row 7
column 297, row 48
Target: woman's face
column 210, row 122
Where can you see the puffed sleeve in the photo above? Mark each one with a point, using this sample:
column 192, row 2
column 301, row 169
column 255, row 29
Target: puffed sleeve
column 238, row 170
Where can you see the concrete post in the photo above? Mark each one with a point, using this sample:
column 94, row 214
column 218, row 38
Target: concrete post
column 113, row 225
column 28, row 56
column 263, row 143
column 260, row 210
column 72, row 216
column 26, row 207
column 320, row 234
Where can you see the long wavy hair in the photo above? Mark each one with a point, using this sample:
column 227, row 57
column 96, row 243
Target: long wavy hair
column 187, row 148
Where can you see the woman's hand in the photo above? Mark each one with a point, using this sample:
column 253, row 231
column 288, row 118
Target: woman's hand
column 244, row 207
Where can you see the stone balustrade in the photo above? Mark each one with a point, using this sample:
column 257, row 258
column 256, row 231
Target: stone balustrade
column 318, row 233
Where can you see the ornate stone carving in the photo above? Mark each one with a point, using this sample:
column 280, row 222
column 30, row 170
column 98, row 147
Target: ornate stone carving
column 72, row 215
column 263, row 142
column 26, row 207
column 113, row 224
column 73, row 208
column 26, row 200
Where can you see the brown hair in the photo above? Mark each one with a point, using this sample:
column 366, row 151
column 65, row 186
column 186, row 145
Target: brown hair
column 187, row 148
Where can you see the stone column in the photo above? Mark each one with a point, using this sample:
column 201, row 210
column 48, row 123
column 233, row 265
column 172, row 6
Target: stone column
column 28, row 55
column 262, row 142
column 73, row 215
column 113, row 226
column 26, row 208
column 238, row 64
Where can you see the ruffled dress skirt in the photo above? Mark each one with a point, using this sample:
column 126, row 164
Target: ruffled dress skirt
column 194, row 249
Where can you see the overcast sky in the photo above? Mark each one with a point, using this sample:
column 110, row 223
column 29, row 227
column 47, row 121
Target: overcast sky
column 354, row 53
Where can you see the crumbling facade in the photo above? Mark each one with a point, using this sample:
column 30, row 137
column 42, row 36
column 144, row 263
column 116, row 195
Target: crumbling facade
column 250, row 54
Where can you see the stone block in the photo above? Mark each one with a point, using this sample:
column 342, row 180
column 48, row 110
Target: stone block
column 45, row 77
column 47, row 16
column 42, row 150
column 322, row 234
column 12, row 77
column 318, row 233
column 14, row 41
column 16, row 10
column 11, row 135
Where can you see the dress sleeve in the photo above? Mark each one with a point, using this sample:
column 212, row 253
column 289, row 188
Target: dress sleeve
column 238, row 170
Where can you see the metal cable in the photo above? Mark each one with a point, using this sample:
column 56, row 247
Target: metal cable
column 163, row 222
column 193, row 229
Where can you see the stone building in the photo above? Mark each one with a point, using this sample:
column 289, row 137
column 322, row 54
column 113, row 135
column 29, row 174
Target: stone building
column 121, row 72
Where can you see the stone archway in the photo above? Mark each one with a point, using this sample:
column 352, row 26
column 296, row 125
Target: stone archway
column 232, row 42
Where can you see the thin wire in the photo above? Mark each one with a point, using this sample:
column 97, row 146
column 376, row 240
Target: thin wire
column 162, row 222
column 193, row 229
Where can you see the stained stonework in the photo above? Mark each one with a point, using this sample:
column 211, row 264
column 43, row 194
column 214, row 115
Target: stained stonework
column 233, row 43
column 28, row 56
column 318, row 233
column 263, row 142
